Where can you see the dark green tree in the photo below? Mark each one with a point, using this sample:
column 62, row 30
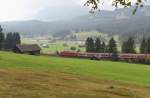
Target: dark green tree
column 103, row 50
column 148, row 46
column 98, row 45
column 9, row 41
column 124, row 47
column 112, row 48
column 143, row 46
column 112, row 45
column 115, row 55
column 90, row 47
column 129, row 46
column 17, row 38
column 2, row 38
column 1, row 29
column 12, row 39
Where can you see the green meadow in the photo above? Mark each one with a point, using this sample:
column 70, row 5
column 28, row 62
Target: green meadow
column 42, row 75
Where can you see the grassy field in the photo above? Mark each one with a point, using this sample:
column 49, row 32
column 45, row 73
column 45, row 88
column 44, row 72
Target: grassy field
column 53, row 47
column 59, row 46
column 54, row 77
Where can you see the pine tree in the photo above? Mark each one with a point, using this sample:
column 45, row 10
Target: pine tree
column 9, row 42
column 124, row 47
column 90, row 47
column 1, row 29
column 128, row 46
column 98, row 46
column 115, row 55
column 103, row 50
column 143, row 46
column 111, row 45
column 112, row 48
column 148, row 46
column 131, row 45
column 16, row 39
column 2, row 38
column 12, row 39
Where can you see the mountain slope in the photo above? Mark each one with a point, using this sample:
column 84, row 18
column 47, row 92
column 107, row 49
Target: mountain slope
column 120, row 21
column 61, row 13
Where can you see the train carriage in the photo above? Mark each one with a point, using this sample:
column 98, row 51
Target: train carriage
column 121, row 56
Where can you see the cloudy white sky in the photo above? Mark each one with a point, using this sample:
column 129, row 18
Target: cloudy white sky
column 11, row 10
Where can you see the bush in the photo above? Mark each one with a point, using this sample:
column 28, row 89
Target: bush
column 73, row 48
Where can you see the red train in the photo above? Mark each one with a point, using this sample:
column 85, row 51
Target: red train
column 98, row 56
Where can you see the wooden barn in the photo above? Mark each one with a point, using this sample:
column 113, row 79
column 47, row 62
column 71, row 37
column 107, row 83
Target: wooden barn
column 33, row 49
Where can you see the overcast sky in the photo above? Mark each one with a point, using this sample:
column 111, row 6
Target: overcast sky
column 11, row 10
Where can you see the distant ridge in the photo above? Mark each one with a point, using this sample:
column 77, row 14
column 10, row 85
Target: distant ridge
column 120, row 21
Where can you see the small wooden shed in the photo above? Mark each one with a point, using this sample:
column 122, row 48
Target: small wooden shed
column 33, row 49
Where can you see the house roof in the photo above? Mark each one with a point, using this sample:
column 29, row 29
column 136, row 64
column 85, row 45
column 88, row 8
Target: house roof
column 28, row 48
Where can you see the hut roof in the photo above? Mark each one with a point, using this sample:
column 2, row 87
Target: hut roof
column 28, row 48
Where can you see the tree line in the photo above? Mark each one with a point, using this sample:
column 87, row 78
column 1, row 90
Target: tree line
column 96, row 45
column 8, row 41
column 129, row 46
column 145, row 46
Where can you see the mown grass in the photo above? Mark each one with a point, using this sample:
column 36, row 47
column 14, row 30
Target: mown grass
column 23, row 76
column 30, row 84
column 132, row 73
